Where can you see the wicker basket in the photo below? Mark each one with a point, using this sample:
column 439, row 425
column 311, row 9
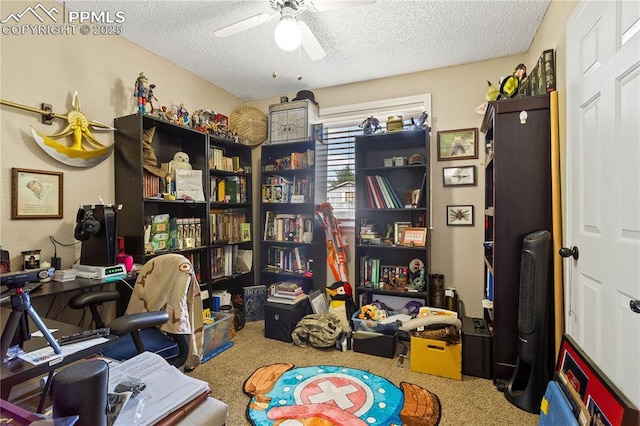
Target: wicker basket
column 250, row 124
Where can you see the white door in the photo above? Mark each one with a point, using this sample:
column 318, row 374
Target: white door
column 603, row 187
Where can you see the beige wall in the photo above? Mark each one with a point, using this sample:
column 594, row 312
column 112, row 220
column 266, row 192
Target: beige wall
column 103, row 69
column 104, row 80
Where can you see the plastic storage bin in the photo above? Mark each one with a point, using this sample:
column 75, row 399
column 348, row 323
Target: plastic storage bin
column 216, row 335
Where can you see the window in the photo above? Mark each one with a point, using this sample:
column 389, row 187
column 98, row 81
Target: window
column 340, row 126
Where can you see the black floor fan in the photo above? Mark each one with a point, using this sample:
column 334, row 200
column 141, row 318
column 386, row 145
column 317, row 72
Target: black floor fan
column 533, row 366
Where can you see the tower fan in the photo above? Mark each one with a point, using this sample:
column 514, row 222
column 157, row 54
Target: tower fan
column 532, row 372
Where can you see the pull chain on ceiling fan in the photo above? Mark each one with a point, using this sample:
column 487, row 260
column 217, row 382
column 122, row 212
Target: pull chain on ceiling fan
column 290, row 31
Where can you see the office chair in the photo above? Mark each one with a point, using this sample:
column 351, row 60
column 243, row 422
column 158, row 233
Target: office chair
column 164, row 314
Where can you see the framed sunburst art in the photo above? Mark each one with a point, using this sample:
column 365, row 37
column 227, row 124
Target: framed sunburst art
column 461, row 215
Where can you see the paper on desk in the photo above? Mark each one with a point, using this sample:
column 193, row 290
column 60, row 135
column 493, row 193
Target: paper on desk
column 167, row 387
column 47, row 355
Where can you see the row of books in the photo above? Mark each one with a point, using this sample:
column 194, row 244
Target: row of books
column 218, row 161
column 286, row 292
column 381, row 194
column 224, row 261
column 163, row 232
column 293, row 161
column 376, row 274
column 288, row 227
column 288, row 259
column 230, row 189
column 278, row 189
column 150, row 185
column 229, row 226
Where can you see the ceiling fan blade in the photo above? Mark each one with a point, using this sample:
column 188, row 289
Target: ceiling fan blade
column 320, row 5
column 245, row 24
column 310, row 43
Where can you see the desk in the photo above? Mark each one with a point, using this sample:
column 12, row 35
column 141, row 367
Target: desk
column 17, row 371
column 55, row 288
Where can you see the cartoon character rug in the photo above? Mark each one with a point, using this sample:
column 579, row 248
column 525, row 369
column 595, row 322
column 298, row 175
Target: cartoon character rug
column 329, row 395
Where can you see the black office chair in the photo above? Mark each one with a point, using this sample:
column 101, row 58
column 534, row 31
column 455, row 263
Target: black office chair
column 165, row 285
column 136, row 333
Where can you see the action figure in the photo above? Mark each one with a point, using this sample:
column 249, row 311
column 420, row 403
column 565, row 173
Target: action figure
column 151, row 98
column 140, row 91
column 511, row 85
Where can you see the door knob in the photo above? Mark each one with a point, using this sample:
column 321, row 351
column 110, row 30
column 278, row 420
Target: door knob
column 570, row 252
column 635, row 306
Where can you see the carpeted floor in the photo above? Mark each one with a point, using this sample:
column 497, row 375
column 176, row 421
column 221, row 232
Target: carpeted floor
column 472, row 401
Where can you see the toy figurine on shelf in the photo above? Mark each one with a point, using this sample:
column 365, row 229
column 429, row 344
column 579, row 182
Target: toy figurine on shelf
column 140, row 91
column 151, row 98
column 511, row 85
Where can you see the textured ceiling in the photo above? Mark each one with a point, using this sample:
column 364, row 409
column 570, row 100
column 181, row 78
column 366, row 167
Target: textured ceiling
column 390, row 37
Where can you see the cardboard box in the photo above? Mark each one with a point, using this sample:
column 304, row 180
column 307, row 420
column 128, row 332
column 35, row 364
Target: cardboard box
column 216, row 335
column 377, row 344
column 437, row 358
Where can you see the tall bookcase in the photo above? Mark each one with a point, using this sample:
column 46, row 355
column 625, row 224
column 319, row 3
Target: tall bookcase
column 188, row 230
column 383, row 167
column 517, row 202
column 230, row 215
column 292, row 242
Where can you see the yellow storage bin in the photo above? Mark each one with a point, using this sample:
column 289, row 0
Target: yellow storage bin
column 436, row 357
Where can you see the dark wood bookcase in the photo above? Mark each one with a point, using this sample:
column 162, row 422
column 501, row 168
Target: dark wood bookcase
column 387, row 156
column 517, row 202
column 140, row 200
column 292, row 239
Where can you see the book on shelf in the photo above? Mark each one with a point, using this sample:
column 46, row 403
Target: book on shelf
column 421, row 202
column 381, row 194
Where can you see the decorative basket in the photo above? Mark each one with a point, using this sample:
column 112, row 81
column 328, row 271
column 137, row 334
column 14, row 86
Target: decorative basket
column 250, row 124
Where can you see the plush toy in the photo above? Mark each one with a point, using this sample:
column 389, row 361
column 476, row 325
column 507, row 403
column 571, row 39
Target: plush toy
column 180, row 162
column 341, row 303
column 371, row 312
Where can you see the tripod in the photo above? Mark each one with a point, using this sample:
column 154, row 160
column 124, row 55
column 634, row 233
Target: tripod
column 17, row 323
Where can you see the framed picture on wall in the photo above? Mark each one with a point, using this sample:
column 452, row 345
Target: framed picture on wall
column 459, row 176
column 461, row 215
column 458, row 144
column 36, row 194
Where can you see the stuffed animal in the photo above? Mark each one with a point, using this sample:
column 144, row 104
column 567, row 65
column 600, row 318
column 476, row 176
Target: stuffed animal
column 371, row 312
column 341, row 303
column 180, row 162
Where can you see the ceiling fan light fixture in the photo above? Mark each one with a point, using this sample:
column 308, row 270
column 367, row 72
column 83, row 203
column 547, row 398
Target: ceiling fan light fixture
column 287, row 34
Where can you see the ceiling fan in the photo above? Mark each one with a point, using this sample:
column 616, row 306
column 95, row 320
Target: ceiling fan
column 292, row 32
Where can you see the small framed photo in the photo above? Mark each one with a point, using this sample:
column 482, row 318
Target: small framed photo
column 398, row 229
column 458, row 144
column 36, row 194
column 460, row 215
column 459, row 176
column 414, row 237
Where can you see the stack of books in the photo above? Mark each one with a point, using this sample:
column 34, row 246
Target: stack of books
column 286, row 292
